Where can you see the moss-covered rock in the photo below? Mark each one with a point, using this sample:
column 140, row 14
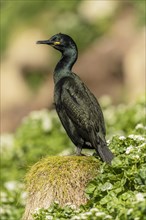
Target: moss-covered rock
column 59, row 178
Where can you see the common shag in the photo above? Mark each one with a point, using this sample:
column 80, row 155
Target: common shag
column 77, row 108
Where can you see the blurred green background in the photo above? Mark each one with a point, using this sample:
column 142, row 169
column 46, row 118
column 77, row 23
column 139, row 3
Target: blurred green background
column 110, row 36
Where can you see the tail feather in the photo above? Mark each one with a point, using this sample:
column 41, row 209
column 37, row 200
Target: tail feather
column 105, row 153
column 101, row 148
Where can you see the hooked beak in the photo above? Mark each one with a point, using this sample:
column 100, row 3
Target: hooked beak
column 44, row 42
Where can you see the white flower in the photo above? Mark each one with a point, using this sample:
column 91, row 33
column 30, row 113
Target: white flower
column 44, row 117
column 3, row 197
column 132, row 136
column 23, row 197
column 122, row 138
column 100, row 213
column 46, row 123
column 75, row 218
column 141, row 146
column 129, row 149
column 129, row 211
column 139, row 197
column 108, row 141
column 136, row 137
column 94, row 210
column 6, row 141
column 49, row 217
column 139, row 126
column 73, row 206
column 2, row 210
column 108, row 217
column 140, row 138
column 83, row 217
column 11, row 185
column 135, row 156
column 36, row 115
column 88, row 213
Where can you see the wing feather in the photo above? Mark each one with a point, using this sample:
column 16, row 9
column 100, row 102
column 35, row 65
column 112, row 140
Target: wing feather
column 77, row 104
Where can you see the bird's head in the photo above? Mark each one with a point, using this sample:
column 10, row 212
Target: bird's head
column 61, row 42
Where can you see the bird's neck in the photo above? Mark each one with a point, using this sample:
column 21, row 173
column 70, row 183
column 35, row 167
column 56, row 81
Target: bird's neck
column 64, row 66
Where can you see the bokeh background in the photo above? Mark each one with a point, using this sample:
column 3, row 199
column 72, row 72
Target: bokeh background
column 110, row 36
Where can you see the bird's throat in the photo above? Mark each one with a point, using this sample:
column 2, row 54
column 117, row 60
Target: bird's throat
column 64, row 66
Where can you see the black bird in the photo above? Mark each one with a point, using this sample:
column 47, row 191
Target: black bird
column 77, row 108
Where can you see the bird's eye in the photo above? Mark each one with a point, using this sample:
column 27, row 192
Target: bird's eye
column 57, row 42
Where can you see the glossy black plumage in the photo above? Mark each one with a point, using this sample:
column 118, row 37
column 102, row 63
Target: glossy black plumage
column 77, row 107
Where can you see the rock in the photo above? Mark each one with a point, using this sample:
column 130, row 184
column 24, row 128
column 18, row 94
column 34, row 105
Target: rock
column 59, row 178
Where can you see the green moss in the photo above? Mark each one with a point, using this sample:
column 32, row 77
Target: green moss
column 64, row 177
column 55, row 168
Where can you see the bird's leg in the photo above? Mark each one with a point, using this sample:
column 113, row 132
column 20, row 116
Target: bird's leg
column 78, row 151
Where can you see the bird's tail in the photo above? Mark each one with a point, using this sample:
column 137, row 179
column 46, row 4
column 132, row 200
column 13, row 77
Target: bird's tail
column 102, row 149
column 105, row 153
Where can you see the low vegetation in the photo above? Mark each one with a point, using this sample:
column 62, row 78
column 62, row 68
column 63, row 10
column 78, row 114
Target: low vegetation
column 119, row 190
